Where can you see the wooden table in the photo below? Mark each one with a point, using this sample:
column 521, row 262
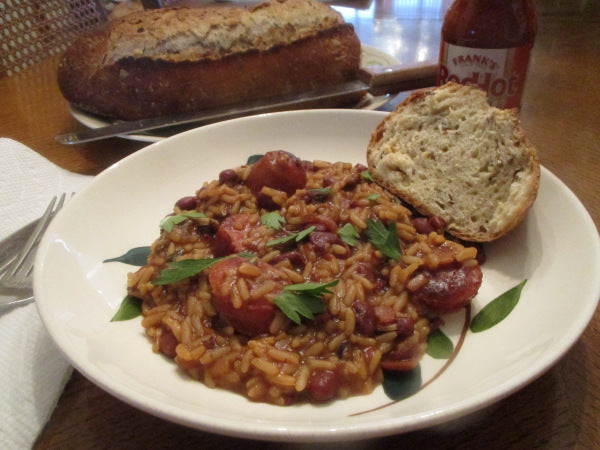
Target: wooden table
column 561, row 409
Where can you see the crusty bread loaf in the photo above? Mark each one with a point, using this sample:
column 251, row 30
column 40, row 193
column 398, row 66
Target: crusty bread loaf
column 448, row 153
column 167, row 61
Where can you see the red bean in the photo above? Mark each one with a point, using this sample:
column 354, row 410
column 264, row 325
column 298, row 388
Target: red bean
column 426, row 225
column 187, row 203
column 480, row 252
column 278, row 170
column 323, row 385
column 367, row 271
column 437, row 223
column 328, row 180
column 323, row 240
column 365, row 317
column 400, row 359
column 266, row 202
column 167, row 343
column 296, row 259
column 405, row 326
column 352, row 181
column 324, row 223
column 360, row 168
column 228, row 176
column 422, row 225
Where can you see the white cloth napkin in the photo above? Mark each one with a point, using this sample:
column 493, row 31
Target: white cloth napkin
column 33, row 371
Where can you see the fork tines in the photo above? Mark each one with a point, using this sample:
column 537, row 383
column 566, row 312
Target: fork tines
column 19, row 271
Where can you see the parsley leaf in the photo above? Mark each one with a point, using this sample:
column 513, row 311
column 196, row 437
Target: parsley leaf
column 170, row 221
column 348, row 234
column 253, row 158
column 312, row 288
column 272, row 220
column 385, row 239
column 131, row 307
column 367, row 175
column 497, row 310
column 304, row 233
column 294, row 305
column 321, row 194
column 179, row 270
column 137, row 256
column 297, row 237
column 323, row 191
column 303, row 299
column 373, row 197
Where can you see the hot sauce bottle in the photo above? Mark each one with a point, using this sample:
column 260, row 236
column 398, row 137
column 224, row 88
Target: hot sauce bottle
column 488, row 42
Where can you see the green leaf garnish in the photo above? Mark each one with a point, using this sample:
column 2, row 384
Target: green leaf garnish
column 253, row 158
column 367, row 176
column 324, row 191
column 373, row 197
column 169, row 222
column 137, row 256
column 305, row 233
column 312, row 288
column 497, row 310
column 439, row 346
column 399, row 385
column 272, row 220
column 385, row 239
column 294, row 305
column 348, row 234
column 297, row 237
column 130, row 308
column 320, row 194
column 179, row 270
column 303, row 300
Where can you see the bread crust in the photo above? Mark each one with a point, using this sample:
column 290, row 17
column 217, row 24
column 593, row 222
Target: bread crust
column 481, row 182
column 162, row 74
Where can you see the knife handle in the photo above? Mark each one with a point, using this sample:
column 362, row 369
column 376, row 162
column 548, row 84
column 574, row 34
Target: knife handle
column 399, row 77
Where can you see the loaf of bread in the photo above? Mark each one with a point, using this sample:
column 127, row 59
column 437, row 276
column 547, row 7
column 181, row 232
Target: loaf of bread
column 446, row 152
column 168, row 61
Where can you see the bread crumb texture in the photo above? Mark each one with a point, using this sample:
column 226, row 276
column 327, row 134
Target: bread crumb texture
column 214, row 32
column 447, row 152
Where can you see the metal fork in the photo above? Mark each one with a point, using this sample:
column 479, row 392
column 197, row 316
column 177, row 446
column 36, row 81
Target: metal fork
column 16, row 277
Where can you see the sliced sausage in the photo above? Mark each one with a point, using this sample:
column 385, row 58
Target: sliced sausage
column 232, row 235
column 449, row 289
column 278, row 170
column 254, row 316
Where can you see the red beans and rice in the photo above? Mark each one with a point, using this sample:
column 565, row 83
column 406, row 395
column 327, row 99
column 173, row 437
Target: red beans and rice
column 222, row 326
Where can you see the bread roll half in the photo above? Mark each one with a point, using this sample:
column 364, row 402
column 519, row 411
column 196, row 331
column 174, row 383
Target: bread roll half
column 446, row 152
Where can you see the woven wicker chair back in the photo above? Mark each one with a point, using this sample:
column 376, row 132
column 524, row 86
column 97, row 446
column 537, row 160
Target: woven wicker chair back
column 32, row 30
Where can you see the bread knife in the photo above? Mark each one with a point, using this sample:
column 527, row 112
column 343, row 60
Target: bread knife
column 377, row 80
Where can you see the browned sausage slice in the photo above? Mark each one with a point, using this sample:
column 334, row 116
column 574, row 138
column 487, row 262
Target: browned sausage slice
column 449, row 289
column 254, row 316
column 278, row 170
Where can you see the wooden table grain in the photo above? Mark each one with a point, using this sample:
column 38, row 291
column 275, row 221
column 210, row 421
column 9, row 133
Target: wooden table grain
column 560, row 409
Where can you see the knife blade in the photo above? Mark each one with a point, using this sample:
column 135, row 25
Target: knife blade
column 377, row 80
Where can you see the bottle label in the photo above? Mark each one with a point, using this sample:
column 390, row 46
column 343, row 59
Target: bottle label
column 501, row 72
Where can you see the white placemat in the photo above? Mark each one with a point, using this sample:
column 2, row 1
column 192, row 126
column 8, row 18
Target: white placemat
column 33, row 370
